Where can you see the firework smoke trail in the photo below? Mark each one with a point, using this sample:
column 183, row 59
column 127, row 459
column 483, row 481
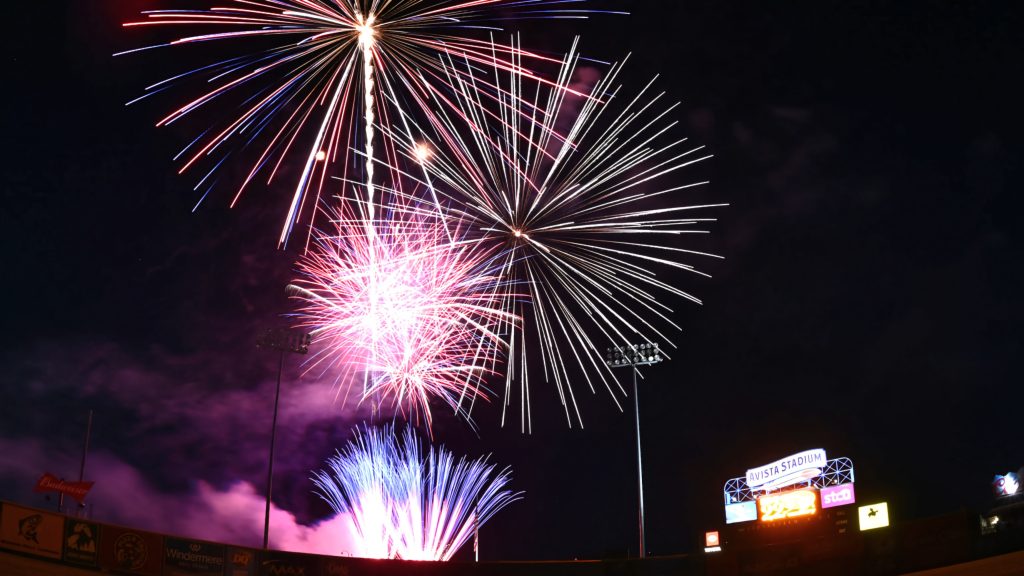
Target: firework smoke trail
column 579, row 198
column 413, row 312
column 303, row 81
column 366, row 34
column 402, row 505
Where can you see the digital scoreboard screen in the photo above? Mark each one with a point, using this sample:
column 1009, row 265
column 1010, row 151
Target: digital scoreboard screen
column 793, row 504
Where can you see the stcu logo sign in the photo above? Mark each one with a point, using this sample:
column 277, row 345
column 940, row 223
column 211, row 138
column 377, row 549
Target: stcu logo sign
column 838, row 497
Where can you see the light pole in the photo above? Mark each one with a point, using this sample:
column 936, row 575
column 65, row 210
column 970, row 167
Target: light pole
column 282, row 340
column 631, row 356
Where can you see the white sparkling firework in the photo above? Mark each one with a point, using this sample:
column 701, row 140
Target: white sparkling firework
column 308, row 71
column 581, row 196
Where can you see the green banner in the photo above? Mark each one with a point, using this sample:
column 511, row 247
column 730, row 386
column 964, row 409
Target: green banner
column 81, row 543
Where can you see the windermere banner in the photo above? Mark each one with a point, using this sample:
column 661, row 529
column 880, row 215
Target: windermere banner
column 31, row 531
column 187, row 557
column 788, row 470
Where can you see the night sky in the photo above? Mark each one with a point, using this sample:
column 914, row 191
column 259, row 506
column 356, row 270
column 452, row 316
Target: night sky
column 868, row 303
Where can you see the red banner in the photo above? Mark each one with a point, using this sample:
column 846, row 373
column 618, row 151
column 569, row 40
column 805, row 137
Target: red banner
column 50, row 483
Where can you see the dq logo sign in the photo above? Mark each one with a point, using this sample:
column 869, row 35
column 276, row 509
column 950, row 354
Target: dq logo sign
column 241, row 559
column 837, row 496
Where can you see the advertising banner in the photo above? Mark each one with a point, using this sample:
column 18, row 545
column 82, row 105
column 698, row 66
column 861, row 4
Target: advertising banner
column 288, row 564
column 187, row 557
column 50, row 483
column 336, row 566
column 741, row 512
column 131, row 551
column 242, row 562
column 873, row 516
column 841, row 495
column 81, row 543
column 31, row 531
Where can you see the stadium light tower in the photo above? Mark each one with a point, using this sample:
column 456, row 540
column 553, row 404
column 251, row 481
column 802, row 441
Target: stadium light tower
column 632, row 356
column 282, row 340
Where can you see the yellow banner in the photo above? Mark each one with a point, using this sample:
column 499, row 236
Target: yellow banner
column 31, row 531
column 873, row 516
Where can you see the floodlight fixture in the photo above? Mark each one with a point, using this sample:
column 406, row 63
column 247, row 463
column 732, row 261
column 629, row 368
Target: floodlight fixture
column 632, row 356
column 284, row 341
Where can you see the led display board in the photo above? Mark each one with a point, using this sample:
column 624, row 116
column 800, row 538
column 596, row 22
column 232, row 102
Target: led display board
column 741, row 512
column 791, row 504
column 841, row 495
column 873, row 516
column 1006, row 485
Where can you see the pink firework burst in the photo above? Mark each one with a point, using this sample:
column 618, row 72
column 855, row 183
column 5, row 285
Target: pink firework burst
column 403, row 306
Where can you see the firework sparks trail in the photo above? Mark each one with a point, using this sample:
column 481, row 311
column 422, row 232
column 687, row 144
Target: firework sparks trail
column 303, row 80
column 401, row 504
column 414, row 313
column 579, row 199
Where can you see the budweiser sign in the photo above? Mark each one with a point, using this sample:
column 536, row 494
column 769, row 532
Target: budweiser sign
column 50, row 483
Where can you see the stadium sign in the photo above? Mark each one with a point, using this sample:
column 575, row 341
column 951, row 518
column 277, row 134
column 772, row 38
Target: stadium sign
column 789, row 470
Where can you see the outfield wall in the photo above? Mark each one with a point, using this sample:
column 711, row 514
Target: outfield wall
column 72, row 546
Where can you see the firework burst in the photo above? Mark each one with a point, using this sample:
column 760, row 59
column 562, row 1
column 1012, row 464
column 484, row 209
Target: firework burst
column 317, row 68
column 580, row 197
column 401, row 504
column 409, row 309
